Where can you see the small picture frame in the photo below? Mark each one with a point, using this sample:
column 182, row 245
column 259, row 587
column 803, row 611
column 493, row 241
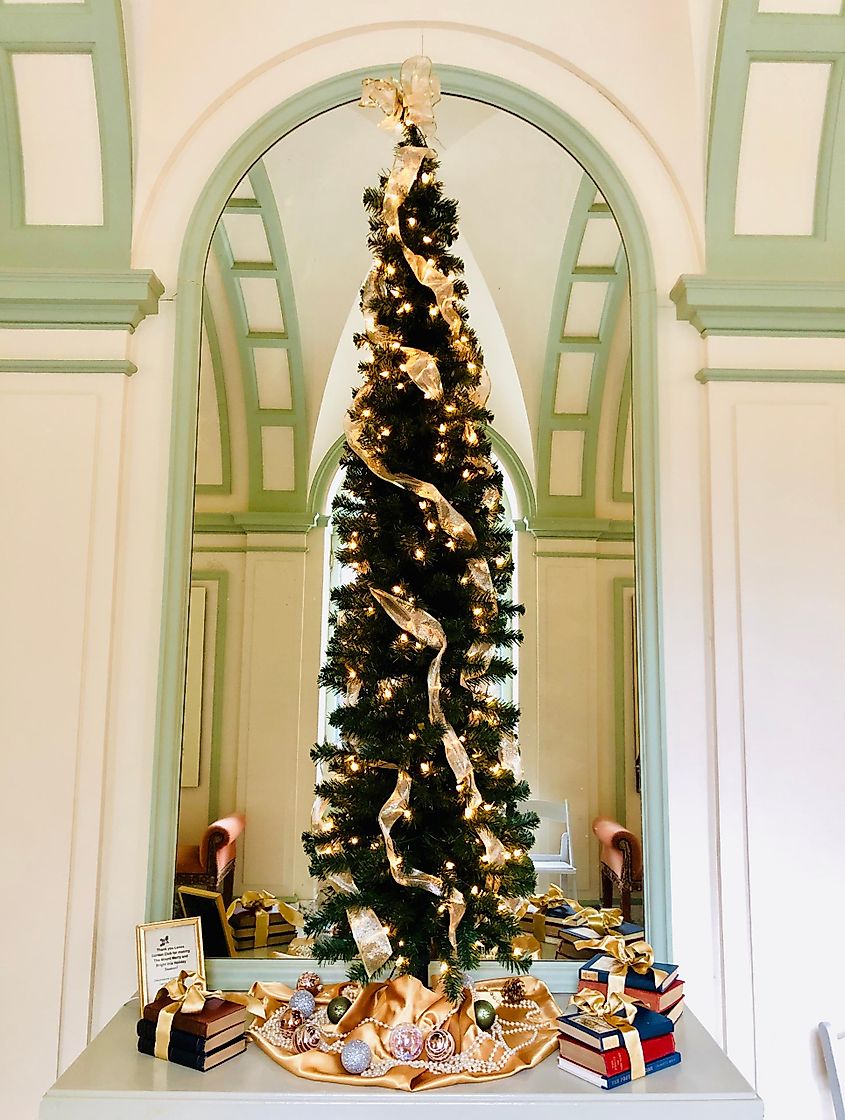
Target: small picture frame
column 164, row 949
column 207, row 908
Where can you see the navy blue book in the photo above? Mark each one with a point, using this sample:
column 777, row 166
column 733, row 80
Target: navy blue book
column 592, row 1031
column 618, row 1078
column 599, row 967
column 627, row 930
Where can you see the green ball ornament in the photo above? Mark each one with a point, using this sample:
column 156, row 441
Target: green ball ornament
column 485, row 1014
column 337, row 1008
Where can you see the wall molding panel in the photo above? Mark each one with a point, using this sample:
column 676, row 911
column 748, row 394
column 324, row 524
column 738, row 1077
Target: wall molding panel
column 94, row 30
column 757, row 307
column 784, row 376
column 87, row 300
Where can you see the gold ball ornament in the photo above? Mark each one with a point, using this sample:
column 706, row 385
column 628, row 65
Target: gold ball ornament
column 310, row 982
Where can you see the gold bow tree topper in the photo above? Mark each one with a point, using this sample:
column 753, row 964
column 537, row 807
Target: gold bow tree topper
column 416, row 832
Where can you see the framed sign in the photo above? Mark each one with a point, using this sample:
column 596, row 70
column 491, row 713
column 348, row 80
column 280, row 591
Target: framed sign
column 164, row 950
column 207, row 908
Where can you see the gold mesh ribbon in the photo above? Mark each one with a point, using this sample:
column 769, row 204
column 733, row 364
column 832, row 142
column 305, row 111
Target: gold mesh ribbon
column 390, row 813
column 410, row 101
column 261, row 903
column 614, row 1010
column 637, row 955
column 367, row 930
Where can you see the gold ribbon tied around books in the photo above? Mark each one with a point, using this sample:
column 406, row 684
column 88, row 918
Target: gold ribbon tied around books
column 637, row 955
column 410, row 101
column 261, row 904
column 188, row 994
column 614, row 1010
column 600, row 921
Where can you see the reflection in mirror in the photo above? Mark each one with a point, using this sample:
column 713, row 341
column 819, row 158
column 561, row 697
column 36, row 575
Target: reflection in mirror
column 549, row 301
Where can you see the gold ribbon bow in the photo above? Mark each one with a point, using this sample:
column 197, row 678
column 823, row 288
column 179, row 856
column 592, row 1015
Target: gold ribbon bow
column 188, row 994
column 637, row 955
column 410, row 101
column 614, row 1010
column 261, row 903
column 600, row 921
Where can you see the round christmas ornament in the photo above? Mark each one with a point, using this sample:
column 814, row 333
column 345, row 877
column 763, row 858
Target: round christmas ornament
column 439, row 1045
column 351, row 991
column 310, row 982
column 405, row 1042
column 356, row 1056
column 513, row 991
column 303, row 1002
column 485, row 1014
column 306, row 1037
column 337, row 1008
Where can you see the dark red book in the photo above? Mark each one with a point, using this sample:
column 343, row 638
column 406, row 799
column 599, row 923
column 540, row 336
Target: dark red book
column 217, row 1015
column 608, row 1063
column 654, row 1001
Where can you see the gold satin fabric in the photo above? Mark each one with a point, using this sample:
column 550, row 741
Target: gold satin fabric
column 406, row 1000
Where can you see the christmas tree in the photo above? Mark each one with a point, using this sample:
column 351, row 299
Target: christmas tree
column 416, row 828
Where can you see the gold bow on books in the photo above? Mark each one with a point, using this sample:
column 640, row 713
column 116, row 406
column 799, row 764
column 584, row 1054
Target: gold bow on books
column 188, row 994
column 600, row 921
column 637, row 955
column 613, row 1010
column 261, row 903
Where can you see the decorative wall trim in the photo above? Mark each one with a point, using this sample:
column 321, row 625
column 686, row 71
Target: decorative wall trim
column 219, row 378
column 269, row 522
column 752, row 307
column 589, row 528
column 68, row 365
column 786, row 376
column 114, row 300
column 221, row 578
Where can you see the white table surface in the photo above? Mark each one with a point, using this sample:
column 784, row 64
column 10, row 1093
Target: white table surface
column 111, row 1081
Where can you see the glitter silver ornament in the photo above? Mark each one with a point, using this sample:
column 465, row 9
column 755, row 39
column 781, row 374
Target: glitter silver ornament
column 356, row 1056
column 439, row 1045
column 303, row 1002
column 310, row 982
column 405, row 1042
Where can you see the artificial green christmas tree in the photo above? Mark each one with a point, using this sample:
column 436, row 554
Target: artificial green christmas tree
column 416, row 829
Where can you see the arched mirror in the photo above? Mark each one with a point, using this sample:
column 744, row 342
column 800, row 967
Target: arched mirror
column 550, row 302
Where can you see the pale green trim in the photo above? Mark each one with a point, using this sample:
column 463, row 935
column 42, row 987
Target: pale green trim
column 219, row 375
column 618, row 491
column 221, row 578
column 517, row 473
column 116, row 300
column 584, row 556
column 789, row 376
column 760, row 307
column 68, row 365
column 566, row 131
column 95, row 28
column 578, row 528
column 748, row 36
column 321, row 482
column 270, row 522
column 583, row 504
column 243, row 549
column 621, row 768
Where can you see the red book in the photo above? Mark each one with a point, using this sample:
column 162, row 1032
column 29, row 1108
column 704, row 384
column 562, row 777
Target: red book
column 654, row 1001
column 607, row 1063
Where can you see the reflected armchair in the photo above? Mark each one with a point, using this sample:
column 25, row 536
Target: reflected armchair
column 621, row 863
column 211, row 863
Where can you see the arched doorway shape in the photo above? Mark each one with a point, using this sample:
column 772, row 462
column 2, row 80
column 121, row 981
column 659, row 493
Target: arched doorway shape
column 566, row 131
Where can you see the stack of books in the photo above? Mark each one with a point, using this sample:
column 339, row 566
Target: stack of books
column 202, row 1040
column 595, row 1051
column 242, row 921
column 566, row 936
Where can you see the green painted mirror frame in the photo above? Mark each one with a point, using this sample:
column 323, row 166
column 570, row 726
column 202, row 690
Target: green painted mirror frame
column 559, row 126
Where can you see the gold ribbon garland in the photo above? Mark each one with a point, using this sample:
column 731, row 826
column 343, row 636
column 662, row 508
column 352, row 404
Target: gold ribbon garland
column 614, row 1010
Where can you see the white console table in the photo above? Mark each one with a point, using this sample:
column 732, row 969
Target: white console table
column 111, row 1080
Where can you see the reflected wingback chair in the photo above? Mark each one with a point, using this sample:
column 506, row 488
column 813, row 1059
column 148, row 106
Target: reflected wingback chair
column 621, row 862
column 211, row 863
